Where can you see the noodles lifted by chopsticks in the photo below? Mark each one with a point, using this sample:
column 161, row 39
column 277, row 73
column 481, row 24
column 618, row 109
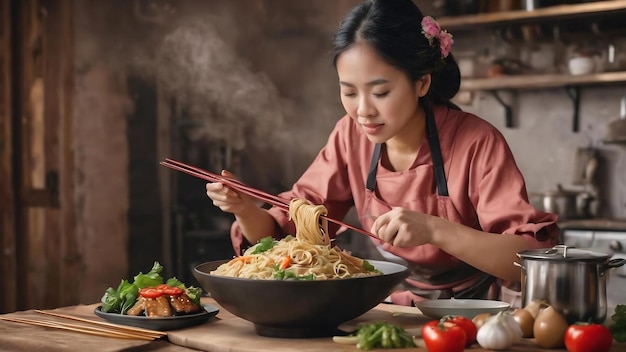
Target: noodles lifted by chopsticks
column 308, row 256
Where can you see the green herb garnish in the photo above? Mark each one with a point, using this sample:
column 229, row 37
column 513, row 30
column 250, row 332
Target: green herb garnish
column 265, row 244
column 282, row 274
column 369, row 267
column 618, row 328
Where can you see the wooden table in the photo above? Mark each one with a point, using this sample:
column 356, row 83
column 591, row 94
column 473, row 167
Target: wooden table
column 229, row 333
column 225, row 332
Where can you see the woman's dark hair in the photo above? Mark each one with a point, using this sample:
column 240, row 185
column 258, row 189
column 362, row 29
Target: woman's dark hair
column 394, row 29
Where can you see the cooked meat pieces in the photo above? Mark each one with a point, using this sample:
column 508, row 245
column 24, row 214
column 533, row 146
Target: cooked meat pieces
column 184, row 304
column 138, row 308
column 158, row 307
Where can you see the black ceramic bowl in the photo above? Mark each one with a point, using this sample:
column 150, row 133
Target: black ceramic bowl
column 300, row 309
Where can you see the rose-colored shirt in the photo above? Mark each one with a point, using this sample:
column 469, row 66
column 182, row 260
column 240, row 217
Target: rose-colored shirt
column 486, row 189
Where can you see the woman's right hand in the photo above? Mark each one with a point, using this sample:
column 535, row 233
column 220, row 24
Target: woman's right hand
column 226, row 199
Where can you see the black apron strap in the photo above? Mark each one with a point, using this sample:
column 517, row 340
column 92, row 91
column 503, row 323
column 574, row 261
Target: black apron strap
column 435, row 151
column 371, row 175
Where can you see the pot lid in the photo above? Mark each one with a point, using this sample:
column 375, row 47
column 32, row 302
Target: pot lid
column 564, row 253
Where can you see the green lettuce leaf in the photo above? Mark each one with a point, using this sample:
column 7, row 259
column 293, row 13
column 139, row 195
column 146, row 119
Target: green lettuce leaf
column 120, row 300
column 150, row 279
column 194, row 293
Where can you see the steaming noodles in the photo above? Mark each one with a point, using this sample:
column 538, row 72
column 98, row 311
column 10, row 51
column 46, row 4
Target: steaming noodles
column 307, row 256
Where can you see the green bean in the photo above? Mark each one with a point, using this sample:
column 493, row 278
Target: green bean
column 386, row 339
column 395, row 339
column 383, row 334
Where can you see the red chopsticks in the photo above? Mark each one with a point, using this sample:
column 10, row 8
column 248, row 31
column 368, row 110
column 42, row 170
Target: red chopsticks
column 281, row 203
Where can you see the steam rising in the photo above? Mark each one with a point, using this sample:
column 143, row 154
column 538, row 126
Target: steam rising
column 223, row 97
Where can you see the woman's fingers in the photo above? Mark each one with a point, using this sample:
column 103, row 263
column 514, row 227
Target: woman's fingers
column 218, row 191
column 381, row 229
column 228, row 174
column 401, row 228
column 388, row 232
column 214, row 187
column 224, row 197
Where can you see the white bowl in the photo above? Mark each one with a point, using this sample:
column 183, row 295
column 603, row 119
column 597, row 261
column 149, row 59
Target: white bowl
column 581, row 65
column 468, row 308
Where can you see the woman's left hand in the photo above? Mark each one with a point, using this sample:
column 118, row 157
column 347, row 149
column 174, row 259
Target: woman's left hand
column 404, row 228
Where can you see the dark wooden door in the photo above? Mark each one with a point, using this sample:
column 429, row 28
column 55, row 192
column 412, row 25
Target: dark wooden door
column 36, row 168
column 8, row 256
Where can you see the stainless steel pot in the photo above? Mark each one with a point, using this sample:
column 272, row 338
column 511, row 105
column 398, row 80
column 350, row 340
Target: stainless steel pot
column 566, row 204
column 572, row 280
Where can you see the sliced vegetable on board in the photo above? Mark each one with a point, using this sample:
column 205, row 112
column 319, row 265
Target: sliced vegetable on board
column 378, row 335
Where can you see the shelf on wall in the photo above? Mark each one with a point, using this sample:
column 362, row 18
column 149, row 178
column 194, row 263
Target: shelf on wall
column 571, row 83
column 541, row 81
column 551, row 13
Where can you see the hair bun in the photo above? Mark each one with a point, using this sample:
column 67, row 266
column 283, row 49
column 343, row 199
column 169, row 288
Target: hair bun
column 446, row 81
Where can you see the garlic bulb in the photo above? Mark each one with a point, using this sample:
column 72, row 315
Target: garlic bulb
column 499, row 333
column 514, row 325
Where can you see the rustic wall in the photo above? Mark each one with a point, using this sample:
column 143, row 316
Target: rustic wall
column 101, row 180
column 101, row 106
column 545, row 146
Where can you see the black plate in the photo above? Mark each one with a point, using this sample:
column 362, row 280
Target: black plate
column 161, row 324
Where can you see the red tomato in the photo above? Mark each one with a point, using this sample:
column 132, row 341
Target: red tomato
column 442, row 336
column 466, row 324
column 169, row 290
column 150, row 292
column 173, row 291
column 162, row 287
column 585, row 337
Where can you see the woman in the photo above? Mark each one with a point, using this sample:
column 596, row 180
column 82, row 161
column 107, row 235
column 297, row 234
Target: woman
column 439, row 187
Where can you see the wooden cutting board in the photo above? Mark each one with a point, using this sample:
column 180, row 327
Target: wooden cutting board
column 228, row 333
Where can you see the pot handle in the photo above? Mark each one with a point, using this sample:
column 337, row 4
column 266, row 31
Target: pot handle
column 562, row 247
column 520, row 265
column 613, row 263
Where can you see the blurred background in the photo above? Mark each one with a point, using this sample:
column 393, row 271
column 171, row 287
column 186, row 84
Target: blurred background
column 95, row 93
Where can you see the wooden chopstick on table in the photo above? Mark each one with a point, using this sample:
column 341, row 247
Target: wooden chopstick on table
column 124, row 328
column 98, row 328
column 276, row 201
column 80, row 328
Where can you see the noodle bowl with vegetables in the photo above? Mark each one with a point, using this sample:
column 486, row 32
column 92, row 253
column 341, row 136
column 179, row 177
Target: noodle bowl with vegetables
column 300, row 286
column 307, row 256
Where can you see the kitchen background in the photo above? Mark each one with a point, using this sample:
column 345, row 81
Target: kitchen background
column 96, row 93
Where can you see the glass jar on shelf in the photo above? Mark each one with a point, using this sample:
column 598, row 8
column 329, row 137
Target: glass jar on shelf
column 613, row 57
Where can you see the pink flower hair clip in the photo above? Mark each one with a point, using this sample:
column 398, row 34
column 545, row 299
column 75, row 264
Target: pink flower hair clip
column 432, row 30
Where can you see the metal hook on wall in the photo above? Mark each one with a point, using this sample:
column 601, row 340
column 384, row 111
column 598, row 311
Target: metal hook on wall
column 508, row 110
column 574, row 94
